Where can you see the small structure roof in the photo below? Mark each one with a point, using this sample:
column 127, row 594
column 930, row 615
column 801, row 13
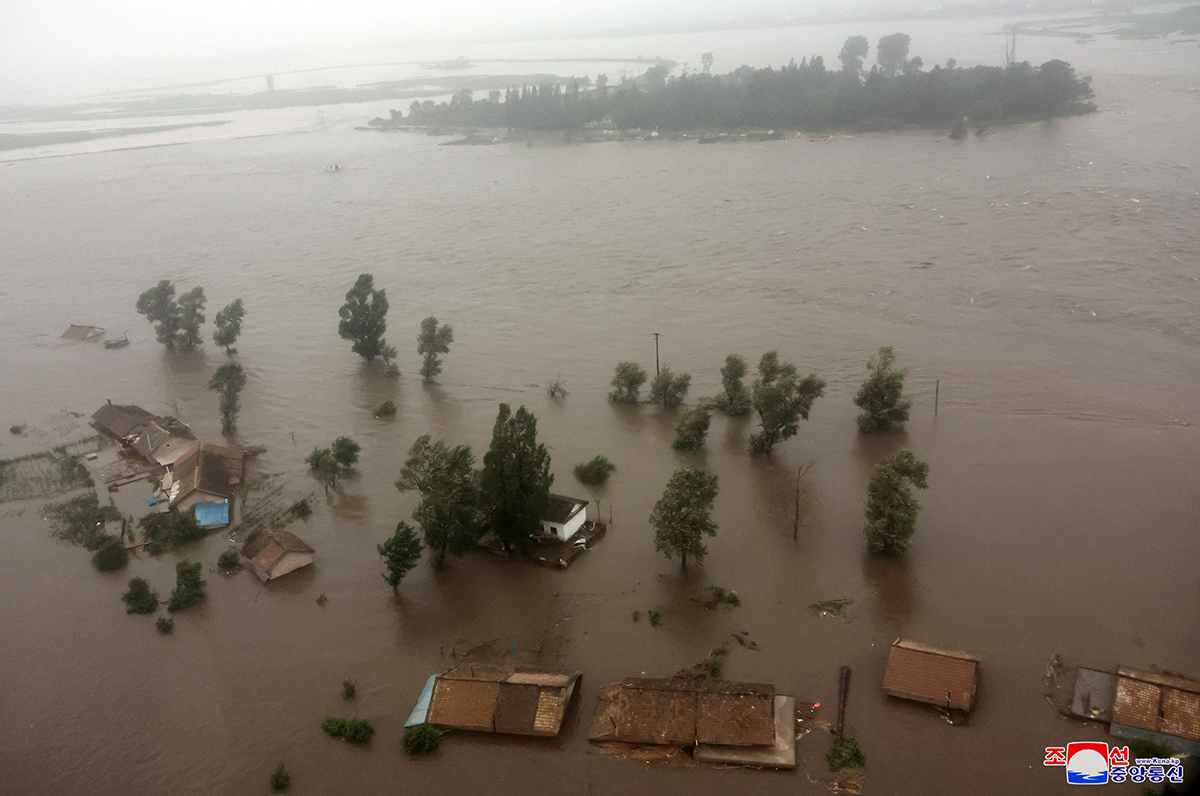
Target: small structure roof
column 75, row 332
column 943, row 677
column 560, row 508
column 498, row 698
column 276, row 553
column 1157, row 702
column 154, row 438
column 119, row 421
column 685, row 711
column 212, row 515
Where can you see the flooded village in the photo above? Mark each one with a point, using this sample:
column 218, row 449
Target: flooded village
column 228, row 580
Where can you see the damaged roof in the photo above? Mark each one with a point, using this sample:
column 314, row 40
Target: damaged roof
column 684, row 712
column 943, row 677
column 211, row 469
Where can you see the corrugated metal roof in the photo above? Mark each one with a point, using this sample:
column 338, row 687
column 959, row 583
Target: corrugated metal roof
column 210, row 515
column 947, row 678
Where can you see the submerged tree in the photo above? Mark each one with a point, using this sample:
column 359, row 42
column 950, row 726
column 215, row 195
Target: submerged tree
column 668, row 389
column 433, row 340
column 781, row 399
column 227, row 383
column 880, row 396
column 333, row 462
column 682, row 517
column 891, row 508
column 191, row 317
column 364, row 318
column 628, row 380
column 229, row 325
column 516, row 479
column 160, row 308
column 189, row 588
column 400, row 553
column 735, row 401
column 691, row 428
column 448, row 511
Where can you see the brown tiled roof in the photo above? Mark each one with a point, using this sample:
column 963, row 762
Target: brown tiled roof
column 268, row 548
column 516, row 708
column 1157, row 702
column 120, row 421
column 684, row 711
column 212, row 469
column 464, row 704
column 943, row 677
column 735, row 719
column 494, row 698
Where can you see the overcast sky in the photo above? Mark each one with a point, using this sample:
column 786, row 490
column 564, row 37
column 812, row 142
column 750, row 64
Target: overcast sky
column 47, row 43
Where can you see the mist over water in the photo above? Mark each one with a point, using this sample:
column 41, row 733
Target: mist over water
column 1045, row 275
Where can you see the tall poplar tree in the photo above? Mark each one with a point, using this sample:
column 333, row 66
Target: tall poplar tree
column 364, row 318
column 682, row 517
column 516, row 479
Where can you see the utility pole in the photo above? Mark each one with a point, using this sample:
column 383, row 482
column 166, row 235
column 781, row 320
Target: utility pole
column 656, row 336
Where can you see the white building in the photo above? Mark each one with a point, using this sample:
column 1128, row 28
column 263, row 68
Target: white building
column 564, row 516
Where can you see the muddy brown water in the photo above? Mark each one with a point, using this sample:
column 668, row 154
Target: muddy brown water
column 1045, row 275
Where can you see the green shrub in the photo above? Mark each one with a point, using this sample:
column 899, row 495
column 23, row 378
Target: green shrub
column 334, row 726
column 165, row 625
column 189, row 588
column 359, row 731
column 110, row 555
column 719, row 596
column 422, row 739
column 655, row 617
column 349, row 689
column 594, row 472
column 280, row 778
column 352, row 730
column 139, row 599
column 301, row 509
column 169, row 530
column 230, row 559
column 16, row 430
column 714, row 664
column 845, row 753
column 385, row 409
column 322, row 599
column 691, row 428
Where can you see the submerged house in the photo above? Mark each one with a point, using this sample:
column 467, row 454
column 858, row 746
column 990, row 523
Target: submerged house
column 497, row 698
column 925, row 673
column 1142, row 705
column 158, row 440
column 720, row 720
column 204, row 474
column 564, row 516
column 276, row 553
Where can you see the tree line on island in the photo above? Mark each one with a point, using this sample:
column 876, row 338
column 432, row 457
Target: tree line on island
column 896, row 92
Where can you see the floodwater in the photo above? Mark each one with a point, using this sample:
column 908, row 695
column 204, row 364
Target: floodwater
column 1042, row 279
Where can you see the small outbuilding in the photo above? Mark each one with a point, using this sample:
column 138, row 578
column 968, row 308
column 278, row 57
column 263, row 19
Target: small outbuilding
column 497, row 698
column 158, row 440
column 564, row 516
column 925, row 673
column 276, row 553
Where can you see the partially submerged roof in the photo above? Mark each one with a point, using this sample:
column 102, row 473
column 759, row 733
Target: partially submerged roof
column 943, row 677
column 685, row 712
column 1157, row 702
column 560, row 508
column 211, row 469
column 120, row 421
column 501, row 699
column 74, row 332
column 154, row 438
column 276, row 553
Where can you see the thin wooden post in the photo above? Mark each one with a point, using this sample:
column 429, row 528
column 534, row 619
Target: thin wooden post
column 843, row 689
column 796, row 522
column 937, row 387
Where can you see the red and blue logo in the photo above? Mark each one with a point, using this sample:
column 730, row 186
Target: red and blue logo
column 1087, row 762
